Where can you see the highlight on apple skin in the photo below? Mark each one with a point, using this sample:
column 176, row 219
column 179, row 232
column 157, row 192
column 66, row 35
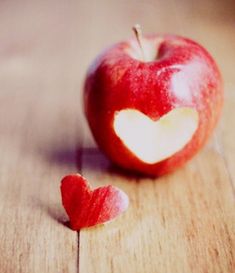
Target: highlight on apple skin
column 152, row 102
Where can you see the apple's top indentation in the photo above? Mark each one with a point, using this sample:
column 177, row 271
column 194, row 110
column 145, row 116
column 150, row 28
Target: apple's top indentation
column 141, row 48
column 150, row 48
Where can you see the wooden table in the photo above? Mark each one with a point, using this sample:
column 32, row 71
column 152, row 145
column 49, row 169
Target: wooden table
column 183, row 222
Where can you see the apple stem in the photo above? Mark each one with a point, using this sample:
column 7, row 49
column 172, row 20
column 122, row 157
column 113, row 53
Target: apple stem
column 138, row 34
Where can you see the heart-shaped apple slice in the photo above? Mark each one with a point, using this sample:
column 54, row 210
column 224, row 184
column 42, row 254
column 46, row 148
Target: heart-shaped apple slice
column 153, row 141
column 86, row 207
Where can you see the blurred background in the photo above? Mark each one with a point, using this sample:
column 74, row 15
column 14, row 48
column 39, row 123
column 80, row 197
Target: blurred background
column 47, row 45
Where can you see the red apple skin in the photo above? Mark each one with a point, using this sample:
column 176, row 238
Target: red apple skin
column 116, row 81
column 86, row 207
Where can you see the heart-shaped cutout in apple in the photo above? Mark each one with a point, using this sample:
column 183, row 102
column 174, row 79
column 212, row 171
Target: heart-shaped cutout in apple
column 153, row 141
column 152, row 102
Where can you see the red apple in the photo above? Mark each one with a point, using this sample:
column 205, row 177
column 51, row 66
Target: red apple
column 152, row 102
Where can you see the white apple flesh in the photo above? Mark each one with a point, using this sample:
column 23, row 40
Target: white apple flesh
column 153, row 141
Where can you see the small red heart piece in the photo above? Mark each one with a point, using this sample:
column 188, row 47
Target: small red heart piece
column 86, row 207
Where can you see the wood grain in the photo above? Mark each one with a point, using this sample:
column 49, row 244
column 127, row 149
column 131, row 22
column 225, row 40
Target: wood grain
column 33, row 237
column 179, row 223
column 183, row 222
column 39, row 135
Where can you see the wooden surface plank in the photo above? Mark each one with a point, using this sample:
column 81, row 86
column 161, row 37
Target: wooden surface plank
column 39, row 134
column 184, row 222
column 32, row 234
column 226, row 135
column 179, row 223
